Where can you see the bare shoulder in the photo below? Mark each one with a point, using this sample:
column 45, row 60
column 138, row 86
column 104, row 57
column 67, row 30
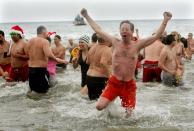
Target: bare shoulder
column 43, row 40
column 93, row 46
column 164, row 51
column 62, row 47
column 24, row 42
column 116, row 41
column 38, row 39
column 162, row 45
column 32, row 39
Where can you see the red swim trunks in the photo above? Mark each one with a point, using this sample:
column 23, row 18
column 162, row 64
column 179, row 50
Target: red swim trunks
column 19, row 74
column 151, row 71
column 125, row 90
column 6, row 68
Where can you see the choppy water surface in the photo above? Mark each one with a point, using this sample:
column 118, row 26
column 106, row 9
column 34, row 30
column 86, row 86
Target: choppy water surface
column 158, row 107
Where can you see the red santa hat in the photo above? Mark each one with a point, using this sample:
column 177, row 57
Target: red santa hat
column 51, row 33
column 17, row 29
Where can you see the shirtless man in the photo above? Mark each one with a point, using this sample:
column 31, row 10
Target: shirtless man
column 99, row 59
column 39, row 52
column 151, row 71
column 124, row 58
column 168, row 63
column 5, row 64
column 59, row 50
column 179, row 50
column 19, row 58
column 188, row 53
column 190, row 41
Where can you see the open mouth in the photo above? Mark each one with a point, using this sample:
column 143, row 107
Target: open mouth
column 124, row 36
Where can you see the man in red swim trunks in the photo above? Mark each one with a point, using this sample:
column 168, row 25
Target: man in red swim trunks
column 124, row 58
column 151, row 70
column 19, row 59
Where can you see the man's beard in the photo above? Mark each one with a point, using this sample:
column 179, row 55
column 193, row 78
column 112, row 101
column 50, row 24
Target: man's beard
column 1, row 42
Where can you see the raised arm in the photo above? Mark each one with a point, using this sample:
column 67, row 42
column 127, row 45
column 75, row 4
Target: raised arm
column 97, row 28
column 146, row 42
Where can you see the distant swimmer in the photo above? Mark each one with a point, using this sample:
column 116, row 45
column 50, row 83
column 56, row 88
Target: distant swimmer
column 188, row 53
column 39, row 52
column 171, row 72
column 70, row 46
column 190, row 42
column 124, row 58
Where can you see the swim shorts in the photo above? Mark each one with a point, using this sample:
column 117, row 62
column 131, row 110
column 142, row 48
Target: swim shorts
column 19, row 74
column 151, row 71
column 95, row 86
column 39, row 79
column 125, row 90
column 168, row 79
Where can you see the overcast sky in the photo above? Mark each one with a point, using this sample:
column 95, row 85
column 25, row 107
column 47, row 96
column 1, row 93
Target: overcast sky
column 60, row 10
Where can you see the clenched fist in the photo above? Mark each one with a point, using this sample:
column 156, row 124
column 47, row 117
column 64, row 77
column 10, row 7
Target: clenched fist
column 84, row 12
column 167, row 16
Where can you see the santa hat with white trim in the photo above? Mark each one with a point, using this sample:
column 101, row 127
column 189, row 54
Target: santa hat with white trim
column 17, row 29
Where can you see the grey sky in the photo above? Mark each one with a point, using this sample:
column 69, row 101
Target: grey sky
column 60, row 10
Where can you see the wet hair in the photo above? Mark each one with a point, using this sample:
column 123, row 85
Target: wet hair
column 128, row 22
column 169, row 39
column 184, row 41
column 40, row 29
column 2, row 33
column 94, row 38
column 58, row 36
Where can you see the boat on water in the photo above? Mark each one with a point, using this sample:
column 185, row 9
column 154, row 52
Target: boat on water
column 79, row 20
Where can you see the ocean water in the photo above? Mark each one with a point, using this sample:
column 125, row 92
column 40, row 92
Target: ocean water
column 67, row 29
column 64, row 109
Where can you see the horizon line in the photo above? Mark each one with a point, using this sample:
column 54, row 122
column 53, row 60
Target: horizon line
column 49, row 21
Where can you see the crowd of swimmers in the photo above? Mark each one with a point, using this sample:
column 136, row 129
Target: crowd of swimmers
column 109, row 65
